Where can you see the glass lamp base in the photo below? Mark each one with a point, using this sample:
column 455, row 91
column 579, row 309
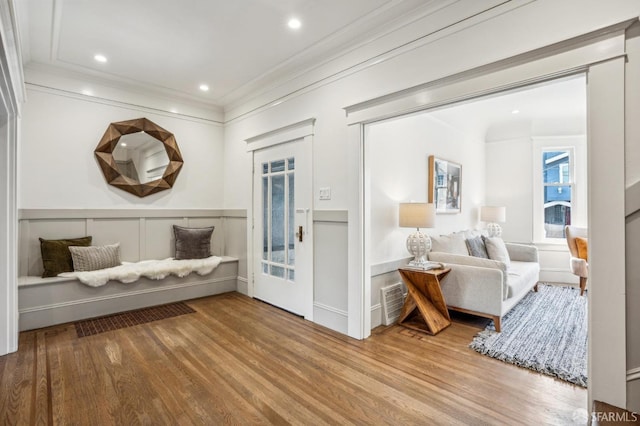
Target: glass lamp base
column 494, row 230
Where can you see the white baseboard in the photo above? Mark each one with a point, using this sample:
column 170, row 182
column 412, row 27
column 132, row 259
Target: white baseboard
column 558, row 276
column 330, row 317
column 376, row 315
column 243, row 286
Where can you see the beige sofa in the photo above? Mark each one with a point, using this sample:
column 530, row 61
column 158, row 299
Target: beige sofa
column 485, row 287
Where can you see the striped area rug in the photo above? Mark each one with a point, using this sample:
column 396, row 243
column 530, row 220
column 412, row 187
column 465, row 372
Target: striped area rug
column 127, row 319
column 545, row 332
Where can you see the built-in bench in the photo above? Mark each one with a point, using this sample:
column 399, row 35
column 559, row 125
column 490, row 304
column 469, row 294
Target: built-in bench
column 142, row 235
column 49, row 301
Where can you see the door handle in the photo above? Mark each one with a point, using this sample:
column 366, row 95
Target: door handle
column 299, row 233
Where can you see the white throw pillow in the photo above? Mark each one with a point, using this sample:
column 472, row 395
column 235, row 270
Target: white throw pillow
column 497, row 250
column 92, row 258
column 453, row 244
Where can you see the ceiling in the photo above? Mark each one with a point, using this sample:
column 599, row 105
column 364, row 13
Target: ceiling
column 557, row 107
column 172, row 47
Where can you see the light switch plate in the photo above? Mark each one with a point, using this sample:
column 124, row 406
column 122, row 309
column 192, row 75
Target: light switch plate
column 325, row 193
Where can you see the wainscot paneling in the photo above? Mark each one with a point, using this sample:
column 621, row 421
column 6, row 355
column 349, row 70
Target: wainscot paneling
column 142, row 233
column 382, row 275
column 632, row 252
column 330, row 269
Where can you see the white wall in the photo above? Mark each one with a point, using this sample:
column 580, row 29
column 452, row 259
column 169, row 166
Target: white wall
column 425, row 55
column 57, row 167
column 509, row 182
column 398, row 152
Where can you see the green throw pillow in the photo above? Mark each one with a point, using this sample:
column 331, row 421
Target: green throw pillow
column 56, row 257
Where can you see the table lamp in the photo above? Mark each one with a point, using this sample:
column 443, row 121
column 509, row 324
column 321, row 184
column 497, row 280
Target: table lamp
column 493, row 215
column 418, row 215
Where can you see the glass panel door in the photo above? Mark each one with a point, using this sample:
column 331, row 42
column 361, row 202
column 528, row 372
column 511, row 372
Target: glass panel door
column 278, row 200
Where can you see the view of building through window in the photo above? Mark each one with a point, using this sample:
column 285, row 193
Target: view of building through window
column 558, row 186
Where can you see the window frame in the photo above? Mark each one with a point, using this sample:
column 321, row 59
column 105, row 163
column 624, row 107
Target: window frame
column 576, row 148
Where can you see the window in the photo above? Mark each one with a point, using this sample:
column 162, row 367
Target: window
column 559, row 186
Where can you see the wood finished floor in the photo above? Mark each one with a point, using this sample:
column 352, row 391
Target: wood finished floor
column 240, row 361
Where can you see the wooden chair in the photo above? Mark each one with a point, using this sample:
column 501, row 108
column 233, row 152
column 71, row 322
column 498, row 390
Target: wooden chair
column 579, row 266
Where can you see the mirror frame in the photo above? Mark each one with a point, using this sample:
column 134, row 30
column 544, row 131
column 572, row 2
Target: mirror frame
column 107, row 163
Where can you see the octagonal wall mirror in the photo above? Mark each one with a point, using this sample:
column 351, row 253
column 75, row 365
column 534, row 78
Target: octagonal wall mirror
column 139, row 157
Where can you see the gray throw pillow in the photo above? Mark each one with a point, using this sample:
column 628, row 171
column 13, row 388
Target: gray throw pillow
column 497, row 250
column 477, row 248
column 93, row 258
column 192, row 243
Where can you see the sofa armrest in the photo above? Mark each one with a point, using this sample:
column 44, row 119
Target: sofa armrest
column 476, row 264
column 579, row 267
column 522, row 252
column 474, row 288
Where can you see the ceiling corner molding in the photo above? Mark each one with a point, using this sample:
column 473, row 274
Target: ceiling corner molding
column 281, row 135
column 578, row 53
column 397, row 40
column 12, row 60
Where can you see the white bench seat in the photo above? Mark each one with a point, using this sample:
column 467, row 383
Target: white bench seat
column 48, row 301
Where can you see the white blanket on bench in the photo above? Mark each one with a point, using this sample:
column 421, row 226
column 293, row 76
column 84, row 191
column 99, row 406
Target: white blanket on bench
column 154, row 269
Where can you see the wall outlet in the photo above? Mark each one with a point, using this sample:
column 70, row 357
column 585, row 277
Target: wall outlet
column 325, row 193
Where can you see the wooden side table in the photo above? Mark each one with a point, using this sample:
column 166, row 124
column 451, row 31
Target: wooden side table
column 425, row 308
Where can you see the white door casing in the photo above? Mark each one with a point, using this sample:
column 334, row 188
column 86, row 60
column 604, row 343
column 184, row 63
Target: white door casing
column 601, row 54
column 283, row 273
column 283, row 242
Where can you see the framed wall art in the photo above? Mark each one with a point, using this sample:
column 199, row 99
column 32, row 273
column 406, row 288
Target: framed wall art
column 445, row 184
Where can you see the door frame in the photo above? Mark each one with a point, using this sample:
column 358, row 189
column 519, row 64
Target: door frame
column 12, row 96
column 601, row 55
column 301, row 130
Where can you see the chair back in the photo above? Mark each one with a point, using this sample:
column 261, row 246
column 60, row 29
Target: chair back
column 571, row 232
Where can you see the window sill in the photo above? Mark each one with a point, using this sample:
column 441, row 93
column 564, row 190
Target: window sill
column 552, row 245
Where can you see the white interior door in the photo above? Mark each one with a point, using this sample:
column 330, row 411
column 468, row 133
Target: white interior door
column 282, row 237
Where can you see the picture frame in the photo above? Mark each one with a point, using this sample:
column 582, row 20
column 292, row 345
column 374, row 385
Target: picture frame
column 445, row 185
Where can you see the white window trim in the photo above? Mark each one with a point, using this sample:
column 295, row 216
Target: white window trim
column 576, row 147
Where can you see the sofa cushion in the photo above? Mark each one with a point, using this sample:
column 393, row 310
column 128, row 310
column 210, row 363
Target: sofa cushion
column 453, row 244
column 476, row 247
column 497, row 250
column 56, row 257
column 521, row 277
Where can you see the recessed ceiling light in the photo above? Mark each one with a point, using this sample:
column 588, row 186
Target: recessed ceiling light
column 515, row 111
column 87, row 92
column 294, row 23
column 173, row 110
column 100, row 58
column 204, row 87
column 123, row 144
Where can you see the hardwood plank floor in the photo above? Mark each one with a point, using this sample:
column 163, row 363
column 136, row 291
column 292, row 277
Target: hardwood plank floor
column 240, row 361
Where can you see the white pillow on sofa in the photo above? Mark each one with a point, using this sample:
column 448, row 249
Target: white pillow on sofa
column 453, row 244
column 497, row 250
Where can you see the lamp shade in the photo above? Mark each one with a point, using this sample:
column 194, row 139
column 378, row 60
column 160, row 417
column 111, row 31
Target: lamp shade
column 417, row 215
column 493, row 214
